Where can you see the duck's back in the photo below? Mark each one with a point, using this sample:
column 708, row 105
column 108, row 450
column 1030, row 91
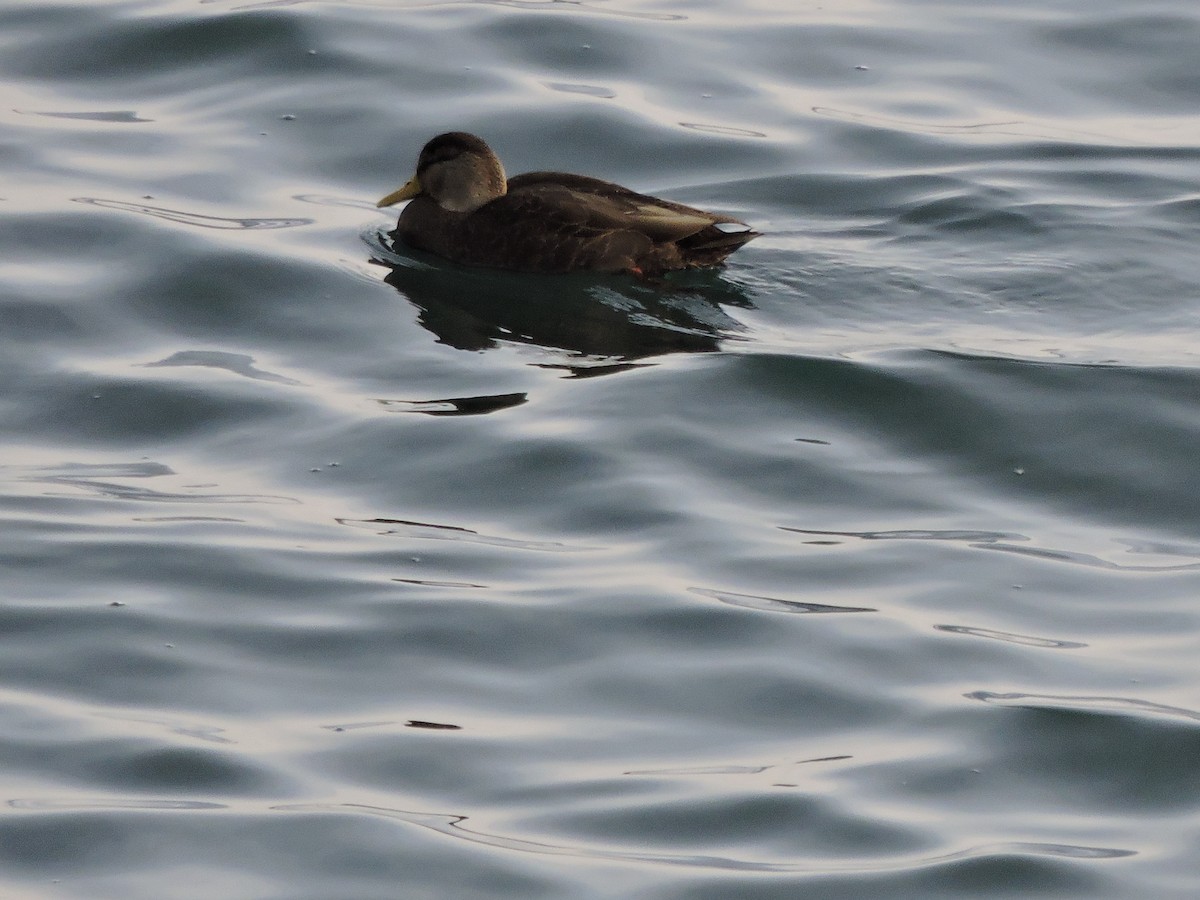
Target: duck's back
column 559, row 222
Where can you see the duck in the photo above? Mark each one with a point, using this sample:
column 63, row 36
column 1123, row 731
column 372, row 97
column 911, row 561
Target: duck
column 463, row 208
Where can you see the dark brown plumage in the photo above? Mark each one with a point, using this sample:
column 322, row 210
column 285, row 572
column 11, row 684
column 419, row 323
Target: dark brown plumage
column 464, row 209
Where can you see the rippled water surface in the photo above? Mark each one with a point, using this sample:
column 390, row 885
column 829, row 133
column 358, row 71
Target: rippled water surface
column 865, row 567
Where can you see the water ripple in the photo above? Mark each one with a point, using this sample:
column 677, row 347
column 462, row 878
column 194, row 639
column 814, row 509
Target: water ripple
column 772, row 604
column 453, row 826
column 460, row 585
column 458, row 406
column 1001, row 542
column 914, row 534
column 735, row 770
column 48, row 805
column 411, row 723
column 1082, row 559
column 214, row 734
column 196, row 219
column 553, row 5
column 728, row 130
column 1008, row 128
column 119, row 116
column 147, row 495
column 590, row 90
column 1084, row 703
column 433, row 532
column 1009, row 637
column 432, row 726
column 237, row 363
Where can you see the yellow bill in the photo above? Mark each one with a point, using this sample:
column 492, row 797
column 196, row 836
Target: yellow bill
column 407, row 192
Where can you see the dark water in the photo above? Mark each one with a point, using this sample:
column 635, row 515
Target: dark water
column 867, row 567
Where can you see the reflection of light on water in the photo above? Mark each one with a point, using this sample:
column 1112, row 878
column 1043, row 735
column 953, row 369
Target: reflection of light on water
column 116, row 116
column 1022, row 545
column 196, row 219
column 652, row 104
column 440, row 532
column 1115, row 130
column 455, row 826
column 864, row 340
column 775, row 604
column 594, row 7
column 1025, row 640
column 723, row 129
column 590, row 90
column 1084, row 703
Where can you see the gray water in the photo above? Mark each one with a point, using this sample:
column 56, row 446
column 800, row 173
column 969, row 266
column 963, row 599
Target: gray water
column 866, row 567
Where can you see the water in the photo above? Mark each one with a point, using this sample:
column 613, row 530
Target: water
column 865, row 567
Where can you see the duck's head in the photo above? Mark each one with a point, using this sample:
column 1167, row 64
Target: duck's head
column 457, row 171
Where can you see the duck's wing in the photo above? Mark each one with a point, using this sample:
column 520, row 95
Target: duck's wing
column 604, row 206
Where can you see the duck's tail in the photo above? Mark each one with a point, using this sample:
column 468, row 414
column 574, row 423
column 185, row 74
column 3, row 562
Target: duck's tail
column 709, row 246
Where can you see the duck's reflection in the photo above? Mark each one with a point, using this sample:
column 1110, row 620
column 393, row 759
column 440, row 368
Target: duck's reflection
column 603, row 323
